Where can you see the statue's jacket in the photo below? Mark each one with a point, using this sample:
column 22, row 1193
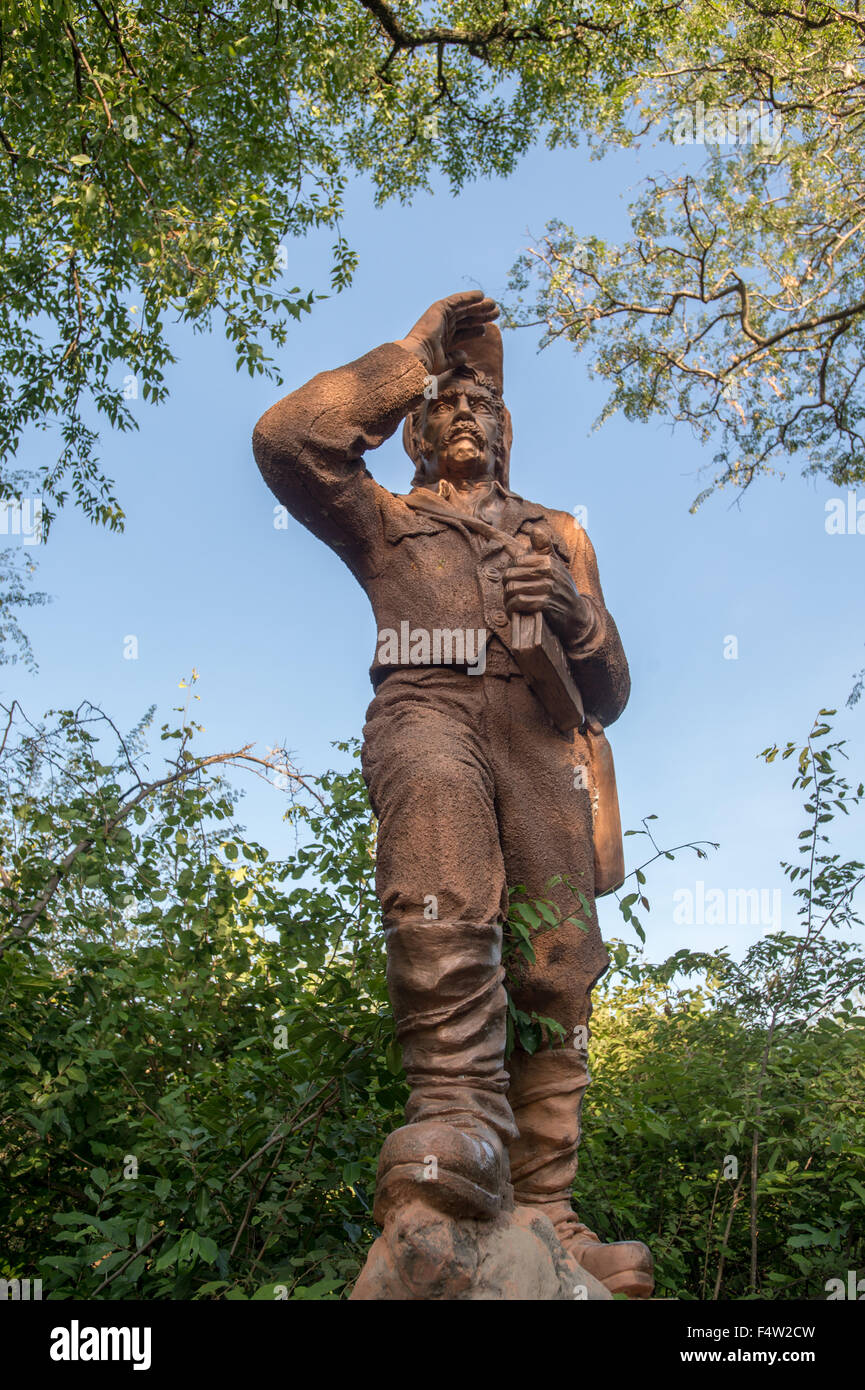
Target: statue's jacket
column 417, row 568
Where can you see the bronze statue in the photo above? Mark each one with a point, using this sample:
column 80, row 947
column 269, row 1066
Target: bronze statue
column 493, row 641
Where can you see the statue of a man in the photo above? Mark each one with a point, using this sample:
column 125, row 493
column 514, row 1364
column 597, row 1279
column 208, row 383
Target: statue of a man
column 474, row 784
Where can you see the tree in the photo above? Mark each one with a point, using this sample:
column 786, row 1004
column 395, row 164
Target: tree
column 159, row 157
column 165, row 153
column 16, row 569
column 738, row 1065
column 738, row 304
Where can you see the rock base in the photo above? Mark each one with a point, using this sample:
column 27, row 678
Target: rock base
column 424, row 1256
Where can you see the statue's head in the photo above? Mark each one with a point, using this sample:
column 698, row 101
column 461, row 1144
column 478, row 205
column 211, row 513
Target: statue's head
column 464, row 432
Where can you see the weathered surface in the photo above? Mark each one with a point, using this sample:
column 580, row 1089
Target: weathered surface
column 425, row 1256
column 483, row 777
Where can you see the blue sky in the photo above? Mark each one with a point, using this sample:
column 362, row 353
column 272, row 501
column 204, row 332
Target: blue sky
column 283, row 637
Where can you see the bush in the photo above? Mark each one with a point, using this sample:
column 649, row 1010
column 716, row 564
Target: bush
column 200, row 1067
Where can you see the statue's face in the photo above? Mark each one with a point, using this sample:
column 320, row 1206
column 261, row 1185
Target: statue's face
column 460, row 431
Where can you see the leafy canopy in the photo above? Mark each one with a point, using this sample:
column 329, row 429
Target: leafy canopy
column 737, row 306
column 157, row 159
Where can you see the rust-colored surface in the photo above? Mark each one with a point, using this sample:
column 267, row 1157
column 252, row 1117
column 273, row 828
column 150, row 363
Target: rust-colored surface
column 479, row 781
column 423, row 1255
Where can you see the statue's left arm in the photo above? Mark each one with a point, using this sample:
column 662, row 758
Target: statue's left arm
column 596, row 653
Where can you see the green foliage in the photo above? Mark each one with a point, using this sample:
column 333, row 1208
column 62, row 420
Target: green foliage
column 199, row 1058
column 156, row 161
column 753, row 1076
column 199, row 1061
column 527, row 918
column 628, row 904
column 737, row 305
column 667, row 1136
column 16, row 570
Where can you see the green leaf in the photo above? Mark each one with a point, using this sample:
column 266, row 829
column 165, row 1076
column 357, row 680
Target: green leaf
column 168, row 1257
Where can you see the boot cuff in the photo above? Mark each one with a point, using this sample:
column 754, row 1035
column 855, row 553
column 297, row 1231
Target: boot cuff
column 561, row 1071
column 444, row 961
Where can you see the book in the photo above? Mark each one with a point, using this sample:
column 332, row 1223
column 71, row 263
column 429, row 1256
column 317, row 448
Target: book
column 541, row 658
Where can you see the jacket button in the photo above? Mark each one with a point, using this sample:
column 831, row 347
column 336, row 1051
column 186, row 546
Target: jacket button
column 499, row 618
column 490, row 572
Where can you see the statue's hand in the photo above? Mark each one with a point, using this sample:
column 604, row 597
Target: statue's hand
column 539, row 582
column 437, row 335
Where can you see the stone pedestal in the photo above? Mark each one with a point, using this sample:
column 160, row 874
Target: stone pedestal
column 424, row 1256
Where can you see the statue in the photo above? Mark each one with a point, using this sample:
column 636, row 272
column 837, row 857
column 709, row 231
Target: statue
column 497, row 668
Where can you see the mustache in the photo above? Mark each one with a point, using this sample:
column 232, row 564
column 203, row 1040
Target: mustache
column 469, row 427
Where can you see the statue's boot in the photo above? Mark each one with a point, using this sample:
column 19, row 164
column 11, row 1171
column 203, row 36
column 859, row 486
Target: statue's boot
column 445, row 981
column 546, row 1095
